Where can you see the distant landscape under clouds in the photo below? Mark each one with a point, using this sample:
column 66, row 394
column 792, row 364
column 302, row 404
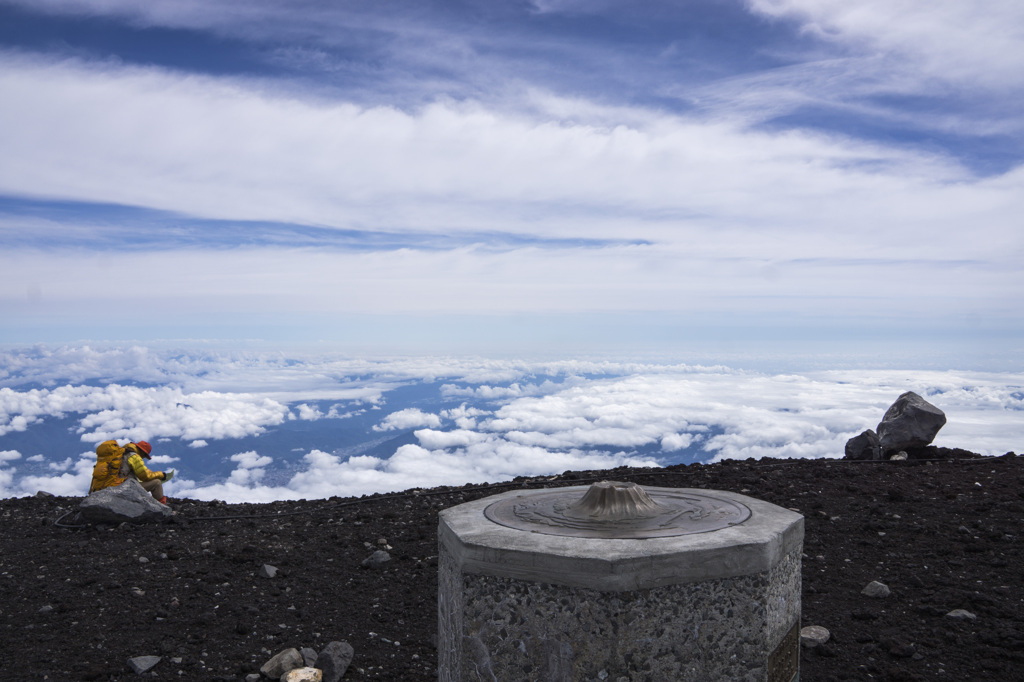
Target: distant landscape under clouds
column 265, row 426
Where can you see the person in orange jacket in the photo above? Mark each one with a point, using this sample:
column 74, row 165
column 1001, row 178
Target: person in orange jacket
column 114, row 464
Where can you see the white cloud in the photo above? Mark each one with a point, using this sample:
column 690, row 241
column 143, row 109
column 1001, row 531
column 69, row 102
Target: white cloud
column 440, row 440
column 198, row 444
column 308, row 413
column 465, row 417
column 7, row 482
column 36, row 458
column 61, row 466
column 71, row 483
column 250, row 470
column 448, row 166
column 737, row 220
column 972, row 43
column 127, row 412
column 671, row 442
column 600, row 417
column 251, row 460
column 408, row 418
column 755, row 415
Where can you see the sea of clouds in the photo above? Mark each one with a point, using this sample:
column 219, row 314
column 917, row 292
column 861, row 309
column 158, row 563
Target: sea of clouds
column 451, row 420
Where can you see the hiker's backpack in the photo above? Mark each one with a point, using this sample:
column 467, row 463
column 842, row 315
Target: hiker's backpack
column 111, row 466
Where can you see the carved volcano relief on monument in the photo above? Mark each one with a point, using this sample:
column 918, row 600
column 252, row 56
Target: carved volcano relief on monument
column 612, row 510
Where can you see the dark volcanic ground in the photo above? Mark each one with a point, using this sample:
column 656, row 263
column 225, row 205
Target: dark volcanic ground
column 942, row 535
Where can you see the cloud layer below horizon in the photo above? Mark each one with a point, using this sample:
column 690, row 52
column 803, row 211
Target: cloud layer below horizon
column 508, row 422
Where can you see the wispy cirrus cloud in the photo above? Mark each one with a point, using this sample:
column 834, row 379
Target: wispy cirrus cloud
column 764, row 160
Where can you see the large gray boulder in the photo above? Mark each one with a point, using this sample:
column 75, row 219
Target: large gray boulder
column 864, row 446
column 126, row 502
column 911, row 422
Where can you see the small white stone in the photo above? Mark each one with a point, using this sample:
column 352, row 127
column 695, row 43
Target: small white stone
column 303, row 675
column 961, row 614
column 814, row 635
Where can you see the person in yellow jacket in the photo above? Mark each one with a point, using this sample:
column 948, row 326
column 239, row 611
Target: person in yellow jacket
column 114, row 464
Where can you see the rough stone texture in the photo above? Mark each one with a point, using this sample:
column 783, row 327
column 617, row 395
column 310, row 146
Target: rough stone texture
column 302, row 675
column 864, row 446
column 308, row 656
column 377, row 559
column 876, row 590
column 715, row 630
column 140, row 664
column 961, row 614
column 126, row 502
column 334, row 660
column 289, row 659
column 910, row 422
column 610, row 565
column 721, row 620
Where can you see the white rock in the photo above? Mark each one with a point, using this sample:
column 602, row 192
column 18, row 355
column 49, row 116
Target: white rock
column 303, row 675
column 141, row 664
column 813, row 635
column 961, row 614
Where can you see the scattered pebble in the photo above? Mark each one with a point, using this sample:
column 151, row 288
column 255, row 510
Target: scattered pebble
column 814, row 635
column 961, row 614
column 876, row 590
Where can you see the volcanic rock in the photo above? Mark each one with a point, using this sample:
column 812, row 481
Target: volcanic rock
column 961, row 614
column 876, row 590
column 289, row 659
column 334, row 660
column 910, row 422
column 126, row 502
column 140, row 664
column 377, row 559
column 864, row 446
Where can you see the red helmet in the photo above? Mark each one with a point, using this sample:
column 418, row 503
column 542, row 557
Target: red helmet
column 145, row 448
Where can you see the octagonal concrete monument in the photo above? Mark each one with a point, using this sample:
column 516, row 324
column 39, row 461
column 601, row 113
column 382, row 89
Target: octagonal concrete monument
column 621, row 583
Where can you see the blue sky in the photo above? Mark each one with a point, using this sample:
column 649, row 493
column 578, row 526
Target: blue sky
column 560, row 176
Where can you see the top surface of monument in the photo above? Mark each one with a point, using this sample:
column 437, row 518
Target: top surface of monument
column 611, row 541
column 610, row 509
